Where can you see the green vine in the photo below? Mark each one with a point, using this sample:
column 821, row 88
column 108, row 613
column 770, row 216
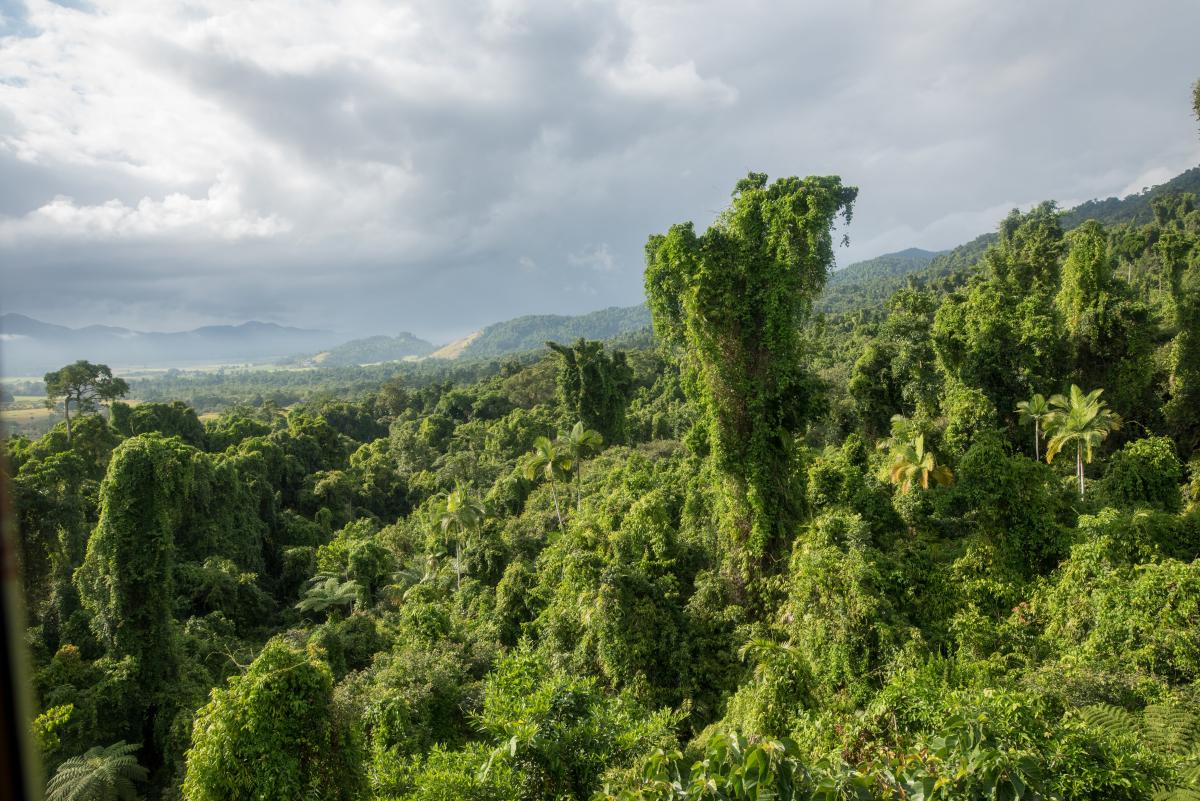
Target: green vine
column 734, row 299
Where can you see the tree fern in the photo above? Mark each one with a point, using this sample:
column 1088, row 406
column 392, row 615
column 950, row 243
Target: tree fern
column 1179, row 793
column 1172, row 731
column 1175, row 730
column 100, row 774
column 1109, row 718
column 328, row 593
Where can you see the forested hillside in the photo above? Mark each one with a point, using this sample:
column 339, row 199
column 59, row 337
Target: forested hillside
column 871, row 286
column 947, row 548
column 372, row 350
column 867, row 283
column 531, row 332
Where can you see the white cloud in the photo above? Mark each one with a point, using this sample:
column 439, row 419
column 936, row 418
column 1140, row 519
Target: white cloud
column 595, row 257
column 675, row 84
column 219, row 215
column 365, row 160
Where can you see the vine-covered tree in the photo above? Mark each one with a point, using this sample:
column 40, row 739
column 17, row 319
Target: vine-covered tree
column 1108, row 333
column 1087, row 276
column 174, row 419
column 1180, row 255
column 1026, row 258
column 126, row 581
column 273, row 734
column 1002, row 337
column 735, row 298
column 594, row 386
column 83, row 384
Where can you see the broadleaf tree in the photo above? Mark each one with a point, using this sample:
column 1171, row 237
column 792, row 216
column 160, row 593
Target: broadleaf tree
column 83, row 384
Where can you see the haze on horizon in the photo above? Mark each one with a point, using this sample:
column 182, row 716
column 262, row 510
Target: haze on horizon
column 435, row 167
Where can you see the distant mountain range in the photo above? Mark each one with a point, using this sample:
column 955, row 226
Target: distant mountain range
column 32, row 347
column 519, row 335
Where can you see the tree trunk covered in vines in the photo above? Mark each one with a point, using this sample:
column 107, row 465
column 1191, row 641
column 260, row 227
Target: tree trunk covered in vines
column 734, row 300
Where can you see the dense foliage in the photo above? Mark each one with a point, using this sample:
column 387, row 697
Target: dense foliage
column 734, row 300
column 947, row 550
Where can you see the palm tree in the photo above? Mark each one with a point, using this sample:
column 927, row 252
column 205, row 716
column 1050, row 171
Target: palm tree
column 328, row 593
column 1034, row 410
column 549, row 460
column 910, row 463
column 579, row 444
column 460, row 516
column 1084, row 420
column 100, row 774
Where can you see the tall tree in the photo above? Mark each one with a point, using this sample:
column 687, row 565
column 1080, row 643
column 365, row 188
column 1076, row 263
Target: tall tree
column 83, row 384
column 1196, row 100
column 1108, row 331
column 550, row 461
column 1082, row 420
column 580, row 443
column 873, row 387
column 594, row 386
column 908, row 329
column 460, row 517
column 127, row 579
column 1180, row 254
column 1035, row 410
column 1087, row 275
column 1027, row 254
column 736, row 298
column 1003, row 337
column 273, row 734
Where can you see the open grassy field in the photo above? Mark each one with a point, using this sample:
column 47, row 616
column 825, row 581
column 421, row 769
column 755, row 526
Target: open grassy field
column 29, row 419
column 28, row 415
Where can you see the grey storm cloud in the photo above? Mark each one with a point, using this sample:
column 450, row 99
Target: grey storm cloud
column 436, row 166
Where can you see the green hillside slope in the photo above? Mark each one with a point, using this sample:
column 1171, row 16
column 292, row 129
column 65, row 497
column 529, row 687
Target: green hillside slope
column 532, row 331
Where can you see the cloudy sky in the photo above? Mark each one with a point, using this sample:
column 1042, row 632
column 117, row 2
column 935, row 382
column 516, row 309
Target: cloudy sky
column 435, row 166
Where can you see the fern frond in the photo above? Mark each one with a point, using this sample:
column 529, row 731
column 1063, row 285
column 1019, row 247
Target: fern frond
column 1178, row 794
column 1108, row 718
column 1171, row 729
